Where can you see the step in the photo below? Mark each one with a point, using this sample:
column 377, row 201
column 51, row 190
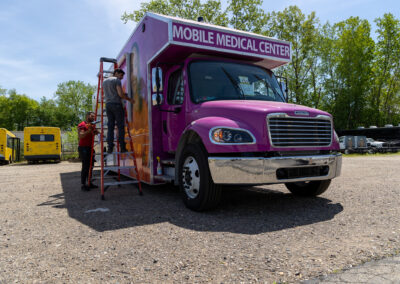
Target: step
column 121, row 182
column 168, row 162
column 164, row 178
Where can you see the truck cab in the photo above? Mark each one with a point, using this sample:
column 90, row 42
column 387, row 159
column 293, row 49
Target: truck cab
column 227, row 122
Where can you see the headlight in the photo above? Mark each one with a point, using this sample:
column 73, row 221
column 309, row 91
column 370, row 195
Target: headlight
column 231, row 136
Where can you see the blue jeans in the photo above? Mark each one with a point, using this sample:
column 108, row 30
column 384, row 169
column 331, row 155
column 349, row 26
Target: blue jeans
column 115, row 113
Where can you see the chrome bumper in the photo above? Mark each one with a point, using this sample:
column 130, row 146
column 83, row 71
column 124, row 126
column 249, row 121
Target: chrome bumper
column 263, row 170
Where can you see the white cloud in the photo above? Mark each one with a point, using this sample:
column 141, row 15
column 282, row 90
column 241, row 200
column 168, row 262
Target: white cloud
column 26, row 76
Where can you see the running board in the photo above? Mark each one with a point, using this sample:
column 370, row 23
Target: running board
column 121, row 182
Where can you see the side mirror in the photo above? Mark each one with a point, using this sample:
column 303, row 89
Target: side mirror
column 157, row 86
column 284, row 90
column 283, row 84
column 157, row 99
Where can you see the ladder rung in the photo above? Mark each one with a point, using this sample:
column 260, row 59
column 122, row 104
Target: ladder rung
column 116, row 168
column 120, row 182
column 97, row 141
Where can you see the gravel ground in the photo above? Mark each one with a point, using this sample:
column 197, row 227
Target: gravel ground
column 260, row 234
column 384, row 271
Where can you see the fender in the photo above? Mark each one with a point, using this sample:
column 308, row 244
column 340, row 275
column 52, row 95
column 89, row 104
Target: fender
column 198, row 132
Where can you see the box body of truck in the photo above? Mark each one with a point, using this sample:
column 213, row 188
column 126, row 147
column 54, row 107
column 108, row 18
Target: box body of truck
column 42, row 143
column 209, row 106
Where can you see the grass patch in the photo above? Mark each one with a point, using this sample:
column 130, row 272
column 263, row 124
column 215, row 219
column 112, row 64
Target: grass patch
column 371, row 155
column 72, row 157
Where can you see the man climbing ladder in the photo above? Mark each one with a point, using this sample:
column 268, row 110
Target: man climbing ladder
column 115, row 113
column 110, row 91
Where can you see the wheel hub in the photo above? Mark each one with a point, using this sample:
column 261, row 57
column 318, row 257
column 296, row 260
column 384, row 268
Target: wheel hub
column 191, row 177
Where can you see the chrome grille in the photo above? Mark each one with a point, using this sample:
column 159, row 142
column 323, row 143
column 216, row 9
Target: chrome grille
column 286, row 131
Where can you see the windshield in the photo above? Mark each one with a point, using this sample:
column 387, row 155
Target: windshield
column 212, row 80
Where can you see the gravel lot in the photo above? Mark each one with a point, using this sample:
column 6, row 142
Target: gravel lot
column 259, row 234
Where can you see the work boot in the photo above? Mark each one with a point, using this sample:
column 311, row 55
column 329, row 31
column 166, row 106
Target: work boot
column 110, row 150
column 123, row 150
column 92, row 185
column 84, row 187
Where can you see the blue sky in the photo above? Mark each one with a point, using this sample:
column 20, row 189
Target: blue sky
column 47, row 42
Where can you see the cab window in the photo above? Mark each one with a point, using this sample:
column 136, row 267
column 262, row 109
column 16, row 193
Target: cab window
column 175, row 88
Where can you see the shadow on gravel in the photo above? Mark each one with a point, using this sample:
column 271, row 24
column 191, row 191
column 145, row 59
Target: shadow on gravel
column 245, row 211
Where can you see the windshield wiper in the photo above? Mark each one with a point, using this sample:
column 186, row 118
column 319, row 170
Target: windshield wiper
column 234, row 82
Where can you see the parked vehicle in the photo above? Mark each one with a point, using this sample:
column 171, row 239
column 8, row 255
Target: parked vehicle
column 9, row 147
column 353, row 144
column 208, row 104
column 42, row 144
column 374, row 144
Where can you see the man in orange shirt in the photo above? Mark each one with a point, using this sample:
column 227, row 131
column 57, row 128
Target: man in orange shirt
column 86, row 133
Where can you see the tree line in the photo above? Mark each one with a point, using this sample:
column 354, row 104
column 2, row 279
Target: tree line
column 340, row 67
column 71, row 101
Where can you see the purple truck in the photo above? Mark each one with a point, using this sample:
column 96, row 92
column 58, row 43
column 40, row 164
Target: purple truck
column 209, row 112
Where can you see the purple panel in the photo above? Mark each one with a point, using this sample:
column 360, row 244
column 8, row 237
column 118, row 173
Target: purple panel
column 250, row 115
column 143, row 45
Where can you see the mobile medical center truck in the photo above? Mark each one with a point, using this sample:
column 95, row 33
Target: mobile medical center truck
column 209, row 111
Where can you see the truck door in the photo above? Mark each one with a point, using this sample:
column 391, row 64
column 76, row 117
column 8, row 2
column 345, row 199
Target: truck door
column 173, row 115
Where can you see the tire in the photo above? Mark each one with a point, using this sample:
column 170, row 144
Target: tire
column 199, row 193
column 308, row 189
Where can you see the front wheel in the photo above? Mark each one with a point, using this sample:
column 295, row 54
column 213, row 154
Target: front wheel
column 308, row 188
column 198, row 190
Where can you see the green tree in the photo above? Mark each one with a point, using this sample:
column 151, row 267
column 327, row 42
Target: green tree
column 2, row 91
column 5, row 108
column 385, row 97
column 187, row 9
column 22, row 111
column 327, row 66
column 74, row 99
column 302, row 31
column 47, row 113
column 353, row 55
column 247, row 15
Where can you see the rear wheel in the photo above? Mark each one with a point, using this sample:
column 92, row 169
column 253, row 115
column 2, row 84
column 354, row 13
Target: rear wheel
column 308, row 188
column 198, row 190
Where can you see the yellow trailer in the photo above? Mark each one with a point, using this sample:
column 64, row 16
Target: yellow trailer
column 42, row 143
column 8, row 146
